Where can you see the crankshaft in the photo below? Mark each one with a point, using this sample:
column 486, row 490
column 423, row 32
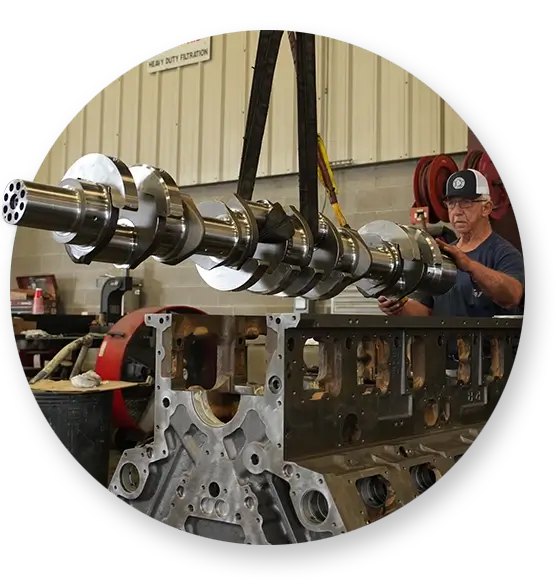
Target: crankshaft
column 104, row 211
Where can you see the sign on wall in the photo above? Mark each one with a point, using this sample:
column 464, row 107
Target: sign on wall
column 189, row 53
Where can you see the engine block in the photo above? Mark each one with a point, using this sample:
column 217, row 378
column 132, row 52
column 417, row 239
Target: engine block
column 314, row 451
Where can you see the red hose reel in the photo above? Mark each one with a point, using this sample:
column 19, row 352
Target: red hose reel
column 431, row 176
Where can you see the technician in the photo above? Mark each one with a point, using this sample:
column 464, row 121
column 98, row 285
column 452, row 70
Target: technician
column 490, row 279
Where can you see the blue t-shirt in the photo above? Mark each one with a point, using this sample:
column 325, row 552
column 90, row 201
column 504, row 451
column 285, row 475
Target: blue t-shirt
column 465, row 298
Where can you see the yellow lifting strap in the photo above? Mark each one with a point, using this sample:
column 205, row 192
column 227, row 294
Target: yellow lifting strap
column 326, row 177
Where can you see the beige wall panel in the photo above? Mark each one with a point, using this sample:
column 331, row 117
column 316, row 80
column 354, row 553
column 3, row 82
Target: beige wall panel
column 93, row 124
column 393, row 112
column 455, row 131
column 211, row 113
column 190, row 125
column 282, row 119
column 43, row 173
column 364, row 105
column 425, row 119
column 76, row 135
column 168, row 141
column 338, row 106
column 191, row 120
column 130, row 115
column 58, row 164
column 149, row 118
column 234, row 99
column 110, row 143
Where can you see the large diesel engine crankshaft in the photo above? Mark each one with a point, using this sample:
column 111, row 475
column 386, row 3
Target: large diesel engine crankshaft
column 105, row 211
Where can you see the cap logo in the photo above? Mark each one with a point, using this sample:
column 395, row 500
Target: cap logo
column 458, row 183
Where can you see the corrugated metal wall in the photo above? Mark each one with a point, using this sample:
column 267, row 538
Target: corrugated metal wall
column 190, row 120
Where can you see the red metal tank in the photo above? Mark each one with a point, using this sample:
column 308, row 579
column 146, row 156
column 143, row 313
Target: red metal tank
column 114, row 351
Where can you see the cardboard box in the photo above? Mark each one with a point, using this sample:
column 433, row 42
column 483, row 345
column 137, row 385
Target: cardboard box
column 21, row 294
column 20, row 325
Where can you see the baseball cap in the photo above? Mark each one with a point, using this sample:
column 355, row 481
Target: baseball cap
column 467, row 183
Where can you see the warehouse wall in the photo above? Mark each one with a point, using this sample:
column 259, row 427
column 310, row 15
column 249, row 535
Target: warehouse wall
column 372, row 192
column 190, row 121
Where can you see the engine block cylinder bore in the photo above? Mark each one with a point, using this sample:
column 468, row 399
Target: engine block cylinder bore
column 424, row 476
column 104, row 211
column 374, row 491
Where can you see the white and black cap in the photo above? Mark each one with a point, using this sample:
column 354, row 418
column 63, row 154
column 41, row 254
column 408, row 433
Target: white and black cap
column 467, row 183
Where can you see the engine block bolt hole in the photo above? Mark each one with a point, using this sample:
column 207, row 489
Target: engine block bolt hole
column 180, row 491
column 374, row 490
column 222, row 508
column 255, row 460
column 214, row 489
column 315, row 507
column 166, row 402
column 249, row 503
column 274, row 384
column 288, row 471
column 424, row 476
column 129, row 477
column 207, row 505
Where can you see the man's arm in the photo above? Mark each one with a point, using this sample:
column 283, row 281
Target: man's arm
column 414, row 308
column 408, row 308
column 503, row 289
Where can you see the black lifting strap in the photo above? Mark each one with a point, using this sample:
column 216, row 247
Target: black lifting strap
column 259, row 101
column 277, row 227
column 307, row 129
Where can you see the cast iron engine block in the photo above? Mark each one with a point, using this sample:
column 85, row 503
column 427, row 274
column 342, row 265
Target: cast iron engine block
column 312, row 452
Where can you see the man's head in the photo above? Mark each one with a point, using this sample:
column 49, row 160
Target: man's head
column 468, row 201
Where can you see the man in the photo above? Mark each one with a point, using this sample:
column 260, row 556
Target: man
column 490, row 279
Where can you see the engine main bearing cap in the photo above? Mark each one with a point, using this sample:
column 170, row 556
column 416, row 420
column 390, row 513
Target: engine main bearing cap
column 103, row 211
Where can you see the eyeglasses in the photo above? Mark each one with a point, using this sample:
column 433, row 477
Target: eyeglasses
column 463, row 204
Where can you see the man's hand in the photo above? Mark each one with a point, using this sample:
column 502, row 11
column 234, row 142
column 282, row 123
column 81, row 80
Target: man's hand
column 390, row 306
column 463, row 262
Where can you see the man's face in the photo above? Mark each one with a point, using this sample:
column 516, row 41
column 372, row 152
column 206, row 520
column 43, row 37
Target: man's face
column 466, row 214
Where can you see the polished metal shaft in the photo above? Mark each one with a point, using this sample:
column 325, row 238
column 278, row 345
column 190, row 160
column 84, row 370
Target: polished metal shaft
column 39, row 206
column 104, row 211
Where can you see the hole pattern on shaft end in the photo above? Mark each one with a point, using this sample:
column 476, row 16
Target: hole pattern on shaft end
column 14, row 202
